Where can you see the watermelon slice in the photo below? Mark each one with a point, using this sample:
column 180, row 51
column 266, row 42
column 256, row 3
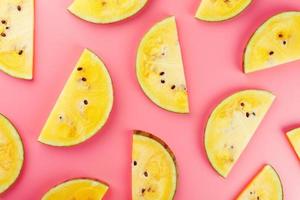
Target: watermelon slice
column 265, row 186
column 16, row 37
column 294, row 138
column 159, row 67
column 105, row 11
column 154, row 173
column 276, row 42
column 231, row 126
column 11, row 154
column 220, row 10
column 77, row 189
column 83, row 106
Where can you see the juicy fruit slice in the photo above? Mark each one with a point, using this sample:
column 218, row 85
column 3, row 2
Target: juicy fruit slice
column 79, row 189
column 160, row 69
column 105, row 11
column 11, row 154
column 294, row 138
column 154, row 174
column 220, row 10
column 266, row 185
column 231, row 126
column 276, row 42
column 83, row 106
column 16, row 37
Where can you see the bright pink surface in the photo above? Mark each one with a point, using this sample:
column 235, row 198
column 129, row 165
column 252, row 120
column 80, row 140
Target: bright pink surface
column 212, row 55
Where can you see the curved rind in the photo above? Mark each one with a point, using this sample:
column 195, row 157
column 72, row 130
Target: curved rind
column 277, row 44
column 208, row 12
column 82, row 9
column 19, row 145
column 53, row 192
column 223, row 149
column 294, row 139
column 271, row 187
column 171, row 94
column 166, row 148
column 12, row 62
column 102, row 115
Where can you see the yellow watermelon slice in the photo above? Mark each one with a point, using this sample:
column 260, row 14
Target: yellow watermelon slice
column 11, row 154
column 105, row 11
column 159, row 67
column 276, row 42
column 16, row 37
column 294, row 138
column 265, row 186
column 77, row 189
column 154, row 173
column 231, row 126
column 220, row 10
column 83, row 106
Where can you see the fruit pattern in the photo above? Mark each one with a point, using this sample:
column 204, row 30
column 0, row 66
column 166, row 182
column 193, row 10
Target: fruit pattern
column 160, row 73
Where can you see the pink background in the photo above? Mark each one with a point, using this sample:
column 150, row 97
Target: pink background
column 212, row 56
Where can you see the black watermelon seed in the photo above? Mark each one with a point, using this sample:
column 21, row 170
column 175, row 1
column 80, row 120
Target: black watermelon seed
column 79, row 68
column 280, row 35
column 7, row 27
column 83, row 79
column 162, row 81
column 146, row 174
column 134, row 163
column 19, row 8
column 20, row 52
column 3, row 34
column 242, row 104
column 284, row 42
column 173, row 87
column 3, row 21
column 271, row 53
column 161, row 73
column 86, row 102
column 143, row 190
column 247, row 115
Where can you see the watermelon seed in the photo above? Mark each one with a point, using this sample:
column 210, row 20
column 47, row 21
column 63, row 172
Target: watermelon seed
column 19, row 8
column 3, row 34
column 20, row 52
column 149, row 189
column 162, row 81
column 161, row 73
column 280, row 35
column 134, row 163
column 79, row 68
column 143, row 190
column 85, row 102
column 173, row 87
column 146, row 174
column 284, row 42
column 242, row 104
column 232, row 147
column 60, row 117
column 7, row 27
column 3, row 22
column 257, row 198
column 83, row 79
column 271, row 53
column 247, row 115
column 253, row 114
column 251, row 192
